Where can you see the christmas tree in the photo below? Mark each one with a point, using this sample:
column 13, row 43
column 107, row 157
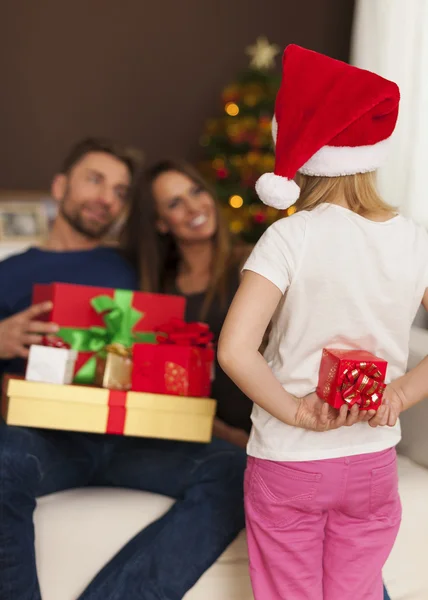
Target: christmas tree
column 238, row 145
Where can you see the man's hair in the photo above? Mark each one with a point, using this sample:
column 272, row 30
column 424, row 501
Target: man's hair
column 131, row 157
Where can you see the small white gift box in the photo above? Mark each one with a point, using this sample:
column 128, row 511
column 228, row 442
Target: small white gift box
column 47, row 364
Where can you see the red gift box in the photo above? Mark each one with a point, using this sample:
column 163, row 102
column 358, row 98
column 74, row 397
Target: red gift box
column 181, row 364
column 74, row 312
column 351, row 377
column 172, row 370
column 72, row 305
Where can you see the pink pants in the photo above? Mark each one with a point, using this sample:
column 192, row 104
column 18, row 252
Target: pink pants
column 321, row 530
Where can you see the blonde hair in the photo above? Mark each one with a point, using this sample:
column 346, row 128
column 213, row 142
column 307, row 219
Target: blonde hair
column 359, row 191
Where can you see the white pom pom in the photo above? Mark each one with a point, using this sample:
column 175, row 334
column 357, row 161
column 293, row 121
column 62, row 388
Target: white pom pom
column 277, row 191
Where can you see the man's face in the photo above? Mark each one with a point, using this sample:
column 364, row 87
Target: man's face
column 93, row 195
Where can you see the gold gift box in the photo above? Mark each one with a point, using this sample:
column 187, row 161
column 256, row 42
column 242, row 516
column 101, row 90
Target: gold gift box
column 86, row 409
column 114, row 370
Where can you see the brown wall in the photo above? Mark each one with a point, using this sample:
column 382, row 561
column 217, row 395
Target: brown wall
column 147, row 72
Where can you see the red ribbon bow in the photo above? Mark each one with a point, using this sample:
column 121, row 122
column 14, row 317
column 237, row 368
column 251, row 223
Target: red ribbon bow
column 362, row 385
column 54, row 342
column 180, row 333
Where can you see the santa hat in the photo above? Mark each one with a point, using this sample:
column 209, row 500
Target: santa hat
column 331, row 119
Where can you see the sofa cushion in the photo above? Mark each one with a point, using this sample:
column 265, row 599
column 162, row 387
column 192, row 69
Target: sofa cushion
column 414, row 426
column 78, row 531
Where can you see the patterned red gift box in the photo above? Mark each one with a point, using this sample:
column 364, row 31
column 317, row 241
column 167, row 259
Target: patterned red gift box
column 180, row 364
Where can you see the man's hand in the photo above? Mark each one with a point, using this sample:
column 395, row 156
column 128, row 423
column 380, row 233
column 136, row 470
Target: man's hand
column 393, row 403
column 315, row 415
column 17, row 333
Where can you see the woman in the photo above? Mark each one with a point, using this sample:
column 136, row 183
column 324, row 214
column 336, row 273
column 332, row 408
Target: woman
column 181, row 245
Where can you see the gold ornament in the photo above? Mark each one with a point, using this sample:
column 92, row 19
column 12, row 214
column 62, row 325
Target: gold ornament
column 269, row 162
column 233, row 129
column 236, row 201
column 230, row 93
column 218, row 163
column 252, row 94
column 253, row 158
column 273, row 213
column 232, row 109
column 237, row 161
column 249, row 123
column 250, row 100
column 262, row 54
column 236, row 226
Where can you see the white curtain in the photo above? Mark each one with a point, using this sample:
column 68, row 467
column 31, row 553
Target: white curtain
column 390, row 37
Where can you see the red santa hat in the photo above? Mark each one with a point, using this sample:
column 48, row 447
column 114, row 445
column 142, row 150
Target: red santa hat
column 331, row 119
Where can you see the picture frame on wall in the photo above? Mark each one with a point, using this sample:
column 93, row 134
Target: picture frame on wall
column 23, row 222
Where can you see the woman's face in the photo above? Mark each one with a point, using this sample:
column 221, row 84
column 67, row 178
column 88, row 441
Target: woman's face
column 185, row 210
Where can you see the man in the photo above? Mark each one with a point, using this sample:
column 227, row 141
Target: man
column 166, row 559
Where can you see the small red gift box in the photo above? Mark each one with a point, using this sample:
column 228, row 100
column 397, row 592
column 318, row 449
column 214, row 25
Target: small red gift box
column 351, row 377
column 180, row 364
column 92, row 317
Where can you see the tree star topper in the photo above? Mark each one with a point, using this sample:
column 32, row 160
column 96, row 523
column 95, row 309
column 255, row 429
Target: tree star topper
column 262, row 54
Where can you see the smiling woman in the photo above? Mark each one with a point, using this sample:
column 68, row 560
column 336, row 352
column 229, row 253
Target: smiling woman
column 177, row 237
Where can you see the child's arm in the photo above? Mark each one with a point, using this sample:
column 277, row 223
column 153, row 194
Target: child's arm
column 404, row 392
column 413, row 386
column 401, row 394
column 241, row 336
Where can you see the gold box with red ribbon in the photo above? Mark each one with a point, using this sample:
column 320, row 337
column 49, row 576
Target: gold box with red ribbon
column 351, row 377
column 98, row 410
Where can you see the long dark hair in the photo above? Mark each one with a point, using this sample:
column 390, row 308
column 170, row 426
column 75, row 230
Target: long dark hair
column 157, row 256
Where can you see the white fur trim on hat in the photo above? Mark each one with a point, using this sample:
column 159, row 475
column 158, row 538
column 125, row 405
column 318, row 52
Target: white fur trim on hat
column 336, row 161
column 277, row 191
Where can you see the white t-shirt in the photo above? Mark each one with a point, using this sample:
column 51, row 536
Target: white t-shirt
column 348, row 283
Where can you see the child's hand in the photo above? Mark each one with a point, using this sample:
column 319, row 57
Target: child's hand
column 316, row 415
column 392, row 405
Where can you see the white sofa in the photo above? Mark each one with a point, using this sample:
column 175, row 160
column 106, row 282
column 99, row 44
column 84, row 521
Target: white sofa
column 78, row 531
column 406, row 572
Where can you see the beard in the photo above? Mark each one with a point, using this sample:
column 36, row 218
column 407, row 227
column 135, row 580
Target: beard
column 89, row 228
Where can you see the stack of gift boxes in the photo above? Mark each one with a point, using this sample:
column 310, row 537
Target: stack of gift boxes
column 122, row 363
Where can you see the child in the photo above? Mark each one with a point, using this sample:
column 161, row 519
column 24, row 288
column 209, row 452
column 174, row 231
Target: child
column 345, row 271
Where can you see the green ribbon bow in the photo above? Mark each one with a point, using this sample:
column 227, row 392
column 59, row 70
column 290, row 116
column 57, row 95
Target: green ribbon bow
column 119, row 317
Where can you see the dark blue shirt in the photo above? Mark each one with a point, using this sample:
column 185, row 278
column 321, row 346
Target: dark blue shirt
column 102, row 267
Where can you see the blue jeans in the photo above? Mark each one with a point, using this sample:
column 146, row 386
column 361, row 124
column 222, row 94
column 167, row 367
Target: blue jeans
column 385, row 594
column 163, row 561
